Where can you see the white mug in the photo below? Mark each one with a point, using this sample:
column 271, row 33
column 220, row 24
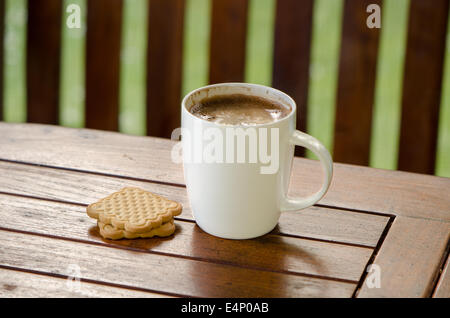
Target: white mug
column 241, row 199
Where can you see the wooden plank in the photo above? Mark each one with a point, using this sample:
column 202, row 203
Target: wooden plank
column 271, row 252
column 32, row 285
column 357, row 70
column 43, row 60
column 353, row 187
column 443, row 285
column 292, row 47
column 361, row 188
column 53, row 145
column 339, row 225
column 162, row 273
column 104, row 23
column 423, row 197
column 228, row 41
column 410, row 258
column 164, row 57
column 422, row 81
column 82, row 188
column 2, row 34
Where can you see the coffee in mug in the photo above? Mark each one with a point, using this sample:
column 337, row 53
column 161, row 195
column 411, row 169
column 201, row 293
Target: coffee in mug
column 239, row 109
column 238, row 146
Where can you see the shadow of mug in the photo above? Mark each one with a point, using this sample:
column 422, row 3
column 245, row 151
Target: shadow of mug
column 267, row 266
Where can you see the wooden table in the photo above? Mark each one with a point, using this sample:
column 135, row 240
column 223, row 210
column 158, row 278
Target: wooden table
column 396, row 220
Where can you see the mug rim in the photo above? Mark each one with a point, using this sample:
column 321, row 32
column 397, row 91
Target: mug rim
column 293, row 105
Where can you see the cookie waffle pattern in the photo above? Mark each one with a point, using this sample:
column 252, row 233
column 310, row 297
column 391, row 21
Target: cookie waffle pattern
column 134, row 210
column 110, row 232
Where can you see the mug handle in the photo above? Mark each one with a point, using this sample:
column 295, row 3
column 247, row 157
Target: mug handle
column 301, row 139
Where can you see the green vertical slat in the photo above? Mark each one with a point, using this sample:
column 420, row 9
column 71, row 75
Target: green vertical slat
column 196, row 45
column 388, row 86
column 443, row 146
column 71, row 108
column 260, row 33
column 14, row 61
column 326, row 39
column 132, row 68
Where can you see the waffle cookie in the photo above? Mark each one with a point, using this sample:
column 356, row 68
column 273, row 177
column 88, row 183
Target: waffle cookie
column 133, row 212
column 110, row 232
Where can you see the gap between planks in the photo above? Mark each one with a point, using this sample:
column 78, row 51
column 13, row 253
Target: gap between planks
column 193, row 221
column 49, row 255
column 78, row 187
column 409, row 258
column 371, row 189
column 129, row 248
column 445, row 261
column 92, row 281
column 328, row 278
column 373, row 256
column 186, row 220
column 180, row 185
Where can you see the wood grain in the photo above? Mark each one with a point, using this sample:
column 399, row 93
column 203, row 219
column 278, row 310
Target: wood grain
column 32, row 285
column 158, row 272
column 228, row 41
column 356, row 84
column 422, row 81
column 43, row 60
column 104, row 24
column 410, row 258
column 293, row 25
column 393, row 192
column 83, row 188
column 164, row 59
column 443, row 285
column 353, row 187
column 271, row 252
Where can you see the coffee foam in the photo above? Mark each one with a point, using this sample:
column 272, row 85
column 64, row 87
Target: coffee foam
column 239, row 109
